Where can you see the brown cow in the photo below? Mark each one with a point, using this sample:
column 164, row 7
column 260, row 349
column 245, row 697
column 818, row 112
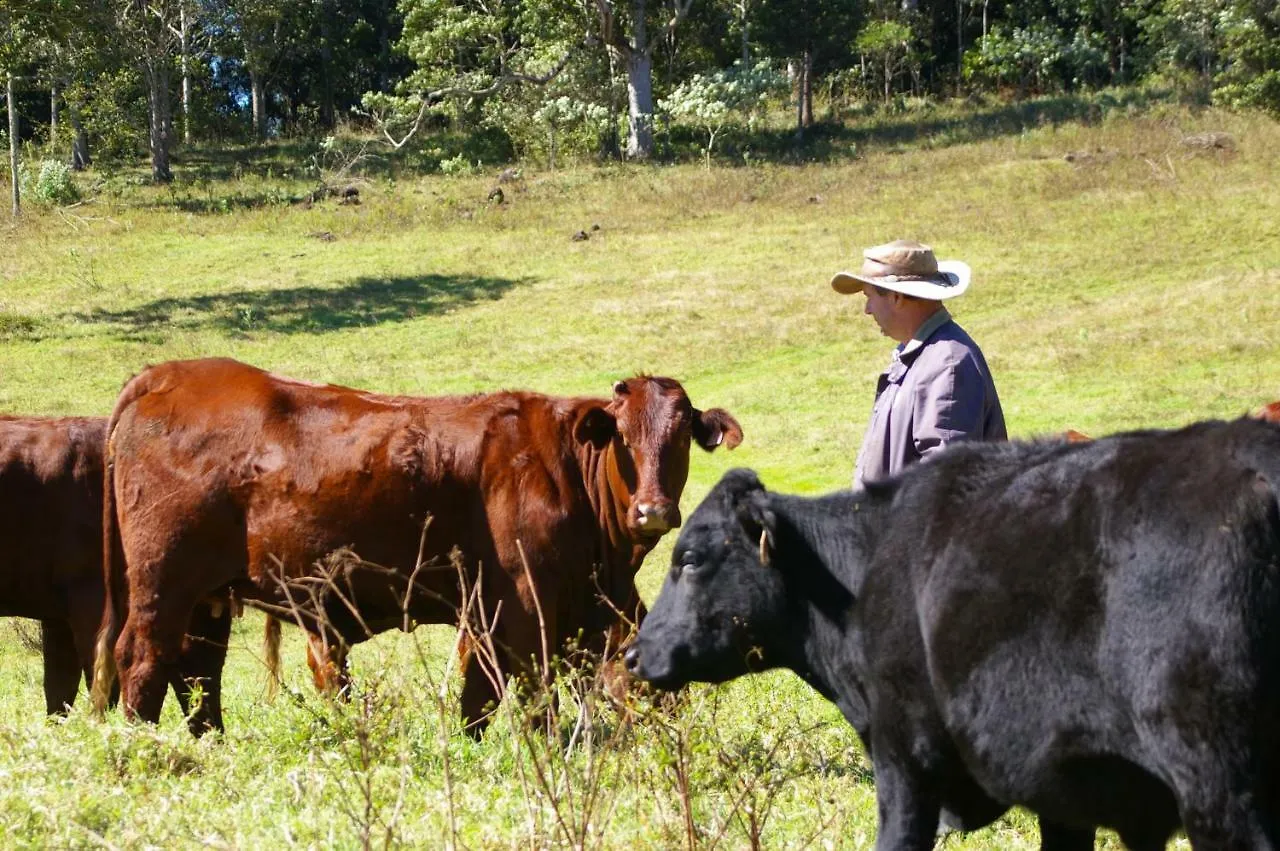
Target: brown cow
column 1270, row 413
column 51, row 526
column 225, row 479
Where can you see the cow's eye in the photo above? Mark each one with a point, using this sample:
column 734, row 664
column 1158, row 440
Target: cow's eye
column 689, row 561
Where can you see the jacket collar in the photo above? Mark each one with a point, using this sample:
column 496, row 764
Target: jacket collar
column 926, row 330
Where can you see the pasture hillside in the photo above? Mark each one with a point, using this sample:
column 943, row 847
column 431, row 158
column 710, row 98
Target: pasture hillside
column 1123, row 278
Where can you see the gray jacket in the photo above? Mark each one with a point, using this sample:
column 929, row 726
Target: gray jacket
column 937, row 390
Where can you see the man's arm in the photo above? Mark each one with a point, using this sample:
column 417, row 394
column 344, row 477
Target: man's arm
column 950, row 404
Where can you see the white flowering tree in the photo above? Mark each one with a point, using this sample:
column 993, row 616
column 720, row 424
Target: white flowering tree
column 564, row 112
column 712, row 101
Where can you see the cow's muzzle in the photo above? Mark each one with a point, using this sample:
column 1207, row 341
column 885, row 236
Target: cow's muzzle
column 642, row 666
column 654, row 518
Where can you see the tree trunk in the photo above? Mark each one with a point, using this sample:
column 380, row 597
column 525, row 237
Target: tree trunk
column 639, row 87
column 157, row 73
column 53, row 111
column 959, row 46
column 806, row 89
column 384, row 47
column 80, row 158
column 11, row 97
column 186, row 75
column 640, row 105
column 795, row 72
column 258, row 98
column 328, row 114
column 609, row 147
column 167, row 110
column 743, row 7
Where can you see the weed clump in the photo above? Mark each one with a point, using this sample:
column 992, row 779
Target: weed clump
column 55, row 184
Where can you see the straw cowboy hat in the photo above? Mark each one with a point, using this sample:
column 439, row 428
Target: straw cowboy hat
column 907, row 267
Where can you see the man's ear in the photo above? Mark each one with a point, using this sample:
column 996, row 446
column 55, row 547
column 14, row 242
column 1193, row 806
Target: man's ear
column 716, row 426
column 596, row 426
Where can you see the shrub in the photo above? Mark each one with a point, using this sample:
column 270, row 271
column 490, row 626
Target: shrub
column 457, row 166
column 1262, row 92
column 55, row 184
column 712, row 100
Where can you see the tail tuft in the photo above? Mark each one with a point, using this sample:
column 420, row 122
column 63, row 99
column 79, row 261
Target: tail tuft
column 271, row 652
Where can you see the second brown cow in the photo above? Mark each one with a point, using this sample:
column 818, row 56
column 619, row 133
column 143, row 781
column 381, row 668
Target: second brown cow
column 223, row 479
column 51, row 526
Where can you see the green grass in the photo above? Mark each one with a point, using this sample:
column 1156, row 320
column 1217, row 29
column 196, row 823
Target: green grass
column 1137, row 287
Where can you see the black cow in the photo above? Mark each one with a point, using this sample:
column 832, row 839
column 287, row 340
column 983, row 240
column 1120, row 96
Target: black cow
column 1090, row 630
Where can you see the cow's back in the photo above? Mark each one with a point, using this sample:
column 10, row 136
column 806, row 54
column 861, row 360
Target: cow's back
column 280, row 472
column 1067, row 612
column 50, row 511
column 273, row 470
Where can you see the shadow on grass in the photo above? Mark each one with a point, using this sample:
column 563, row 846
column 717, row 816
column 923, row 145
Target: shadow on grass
column 362, row 302
column 931, row 125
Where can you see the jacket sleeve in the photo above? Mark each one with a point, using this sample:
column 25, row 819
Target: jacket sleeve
column 950, row 404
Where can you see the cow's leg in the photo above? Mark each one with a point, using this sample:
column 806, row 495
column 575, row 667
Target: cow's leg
column 327, row 659
column 1144, row 841
column 480, row 693
column 1215, row 781
column 1210, row 832
column 85, row 614
column 61, row 665
column 533, row 643
column 147, row 653
column 1055, row 837
column 1230, row 822
column 908, row 808
column 204, row 651
column 515, row 652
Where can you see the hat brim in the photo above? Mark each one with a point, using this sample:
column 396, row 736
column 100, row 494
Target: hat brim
column 952, row 280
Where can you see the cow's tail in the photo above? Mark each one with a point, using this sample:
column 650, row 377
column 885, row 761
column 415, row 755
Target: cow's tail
column 271, row 653
column 115, row 589
column 104, row 663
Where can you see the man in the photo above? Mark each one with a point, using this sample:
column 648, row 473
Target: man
column 937, row 389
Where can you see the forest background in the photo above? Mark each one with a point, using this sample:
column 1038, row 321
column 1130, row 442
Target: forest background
column 549, row 80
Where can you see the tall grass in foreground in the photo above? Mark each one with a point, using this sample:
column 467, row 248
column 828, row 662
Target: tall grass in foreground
column 1132, row 285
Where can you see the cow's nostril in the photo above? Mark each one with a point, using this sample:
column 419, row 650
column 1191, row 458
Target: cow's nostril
column 662, row 515
column 631, row 658
column 651, row 516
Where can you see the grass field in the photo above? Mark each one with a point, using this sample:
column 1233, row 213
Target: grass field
column 1136, row 284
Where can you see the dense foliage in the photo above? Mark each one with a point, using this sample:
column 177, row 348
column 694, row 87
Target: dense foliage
column 546, row 79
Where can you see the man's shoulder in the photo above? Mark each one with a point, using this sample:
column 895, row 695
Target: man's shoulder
column 951, row 332
column 950, row 341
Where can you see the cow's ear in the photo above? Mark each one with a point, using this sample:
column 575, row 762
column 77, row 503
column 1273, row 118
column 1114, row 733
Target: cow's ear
column 759, row 521
column 596, row 426
column 716, row 426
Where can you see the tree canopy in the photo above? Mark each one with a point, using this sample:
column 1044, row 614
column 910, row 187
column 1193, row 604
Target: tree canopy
column 542, row 77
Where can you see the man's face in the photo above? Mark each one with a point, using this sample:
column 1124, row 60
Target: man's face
column 882, row 307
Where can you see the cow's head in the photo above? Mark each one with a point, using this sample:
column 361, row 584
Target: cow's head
column 650, row 422
column 723, row 600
